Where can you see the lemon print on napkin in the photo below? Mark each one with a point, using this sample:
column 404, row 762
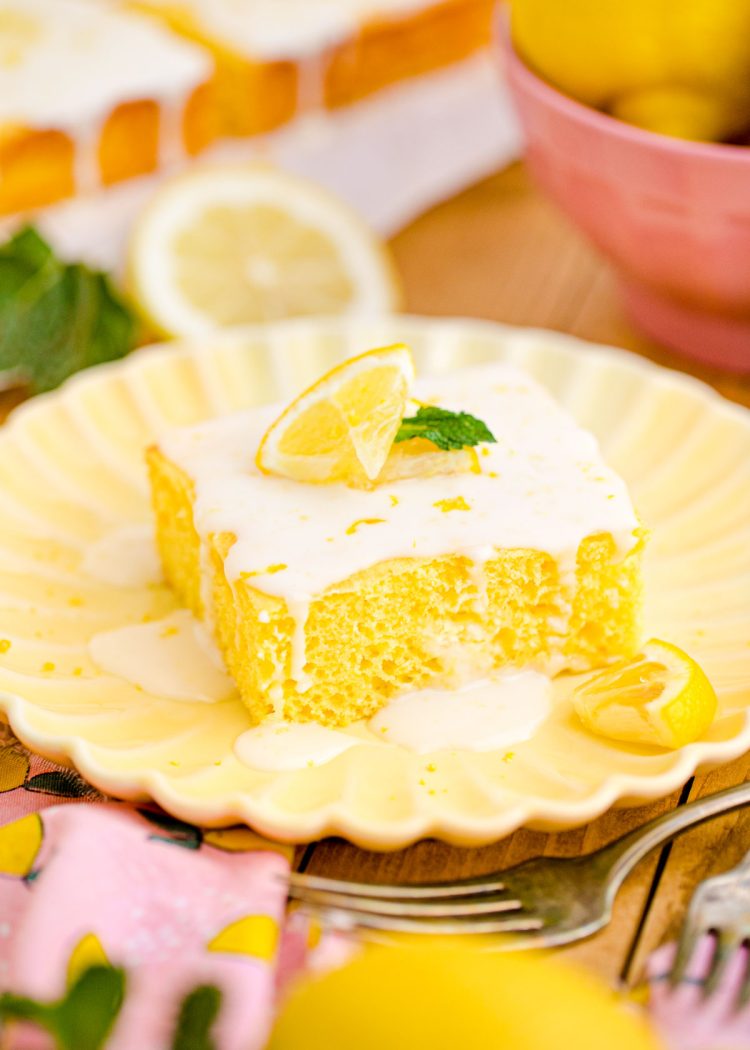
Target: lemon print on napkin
column 254, row 935
column 87, row 953
column 14, row 768
column 243, row 840
column 20, row 843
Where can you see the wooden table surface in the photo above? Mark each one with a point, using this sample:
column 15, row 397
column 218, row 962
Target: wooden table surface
column 500, row 251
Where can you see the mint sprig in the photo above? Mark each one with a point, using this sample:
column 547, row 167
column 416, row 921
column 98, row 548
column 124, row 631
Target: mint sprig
column 448, row 430
column 56, row 318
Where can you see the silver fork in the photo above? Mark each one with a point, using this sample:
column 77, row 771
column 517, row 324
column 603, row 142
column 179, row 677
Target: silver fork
column 719, row 906
column 547, row 901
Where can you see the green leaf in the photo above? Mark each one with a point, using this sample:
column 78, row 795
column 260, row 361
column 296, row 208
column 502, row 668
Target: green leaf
column 86, row 1016
column 198, row 1012
column 175, row 831
column 448, row 430
column 19, row 1008
column 27, row 246
column 80, row 1021
column 56, row 318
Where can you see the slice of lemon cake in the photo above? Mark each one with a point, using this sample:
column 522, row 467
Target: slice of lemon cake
column 90, row 95
column 482, row 531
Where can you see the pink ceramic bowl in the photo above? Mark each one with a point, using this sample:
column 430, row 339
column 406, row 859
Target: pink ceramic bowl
column 672, row 216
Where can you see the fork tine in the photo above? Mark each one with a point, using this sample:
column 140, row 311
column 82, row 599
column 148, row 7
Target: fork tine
column 692, row 931
column 743, row 996
column 418, row 891
column 421, row 908
column 466, row 926
column 727, row 943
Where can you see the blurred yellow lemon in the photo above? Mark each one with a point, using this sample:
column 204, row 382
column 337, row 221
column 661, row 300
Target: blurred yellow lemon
column 680, row 67
column 662, row 697
column 449, row 996
column 246, row 244
column 342, row 427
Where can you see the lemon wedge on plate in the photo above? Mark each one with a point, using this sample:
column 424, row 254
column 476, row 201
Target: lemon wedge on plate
column 662, row 698
column 243, row 244
column 342, row 428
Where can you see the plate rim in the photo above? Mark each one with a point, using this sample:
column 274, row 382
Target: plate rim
column 333, row 819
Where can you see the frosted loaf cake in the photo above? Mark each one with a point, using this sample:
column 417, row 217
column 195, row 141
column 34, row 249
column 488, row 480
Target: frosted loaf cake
column 276, row 57
column 96, row 91
column 91, row 94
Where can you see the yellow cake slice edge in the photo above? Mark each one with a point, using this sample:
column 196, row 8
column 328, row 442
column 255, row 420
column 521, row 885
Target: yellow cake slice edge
column 399, row 625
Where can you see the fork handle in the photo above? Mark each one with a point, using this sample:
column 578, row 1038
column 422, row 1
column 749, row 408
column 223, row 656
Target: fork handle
column 623, row 855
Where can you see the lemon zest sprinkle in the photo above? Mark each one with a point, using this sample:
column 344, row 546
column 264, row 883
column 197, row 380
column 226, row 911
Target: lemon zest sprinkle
column 363, row 521
column 271, row 570
column 456, row 503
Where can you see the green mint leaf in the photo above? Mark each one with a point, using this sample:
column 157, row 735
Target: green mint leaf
column 56, row 318
column 86, row 1016
column 198, row 1012
column 28, row 246
column 448, row 430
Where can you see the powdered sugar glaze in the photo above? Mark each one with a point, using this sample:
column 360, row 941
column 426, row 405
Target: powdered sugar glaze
column 544, row 485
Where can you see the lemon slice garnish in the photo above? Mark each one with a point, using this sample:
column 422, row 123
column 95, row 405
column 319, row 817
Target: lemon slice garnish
column 418, row 458
column 244, row 244
column 662, row 697
column 343, row 427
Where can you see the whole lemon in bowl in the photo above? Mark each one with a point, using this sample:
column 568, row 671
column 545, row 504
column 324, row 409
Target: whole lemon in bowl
column 455, row 995
column 679, row 67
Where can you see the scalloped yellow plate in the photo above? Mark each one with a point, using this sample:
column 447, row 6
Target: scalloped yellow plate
column 71, row 470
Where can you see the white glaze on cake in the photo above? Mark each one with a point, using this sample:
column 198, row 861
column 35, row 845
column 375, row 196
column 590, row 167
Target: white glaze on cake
column 543, row 485
column 66, row 64
column 287, row 29
column 488, row 715
column 482, row 716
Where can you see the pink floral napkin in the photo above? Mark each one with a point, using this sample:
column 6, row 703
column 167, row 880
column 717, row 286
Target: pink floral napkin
column 175, row 906
column 179, row 908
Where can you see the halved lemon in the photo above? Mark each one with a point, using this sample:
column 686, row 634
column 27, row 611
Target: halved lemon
column 244, row 244
column 342, row 428
column 662, row 697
